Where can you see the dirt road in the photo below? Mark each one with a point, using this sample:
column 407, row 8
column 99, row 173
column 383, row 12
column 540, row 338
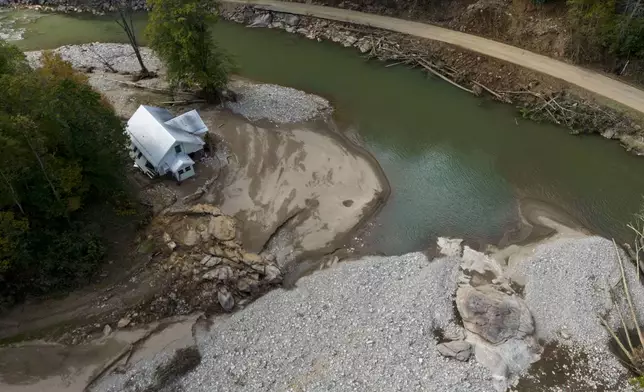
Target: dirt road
column 586, row 79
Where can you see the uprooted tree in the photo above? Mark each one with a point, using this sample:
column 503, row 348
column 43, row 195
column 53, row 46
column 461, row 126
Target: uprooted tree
column 179, row 32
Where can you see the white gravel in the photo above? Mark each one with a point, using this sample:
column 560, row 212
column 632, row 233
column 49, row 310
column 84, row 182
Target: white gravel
column 276, row 103
column 120, row 56
column 566, row 290
column 366, row 325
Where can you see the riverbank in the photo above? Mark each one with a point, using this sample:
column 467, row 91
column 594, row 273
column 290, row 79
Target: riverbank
column 414, row 321
column 537, row 96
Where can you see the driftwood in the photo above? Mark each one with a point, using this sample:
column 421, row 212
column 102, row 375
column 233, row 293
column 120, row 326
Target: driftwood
column 431, row 69
column 153, row 89
column 560, row 108
column 184, row 102
column 494, row 93
column 102, row 59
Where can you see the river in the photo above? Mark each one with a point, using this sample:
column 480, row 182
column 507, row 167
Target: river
column 458, row 165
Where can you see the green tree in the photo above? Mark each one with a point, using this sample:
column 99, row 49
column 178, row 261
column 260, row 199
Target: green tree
column 179, row 32
column 607, row 30
column 62, row 150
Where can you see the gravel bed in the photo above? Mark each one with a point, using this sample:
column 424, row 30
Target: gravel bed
column 276, row 103
column 566, row 290
column 120, row 56
column 366, row 325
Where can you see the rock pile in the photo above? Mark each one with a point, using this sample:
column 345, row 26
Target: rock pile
column 106, row 57
column 209, row 261
column 311, row 28
column 498, row 324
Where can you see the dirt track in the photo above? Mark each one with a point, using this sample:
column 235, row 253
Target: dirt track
column 592, row 81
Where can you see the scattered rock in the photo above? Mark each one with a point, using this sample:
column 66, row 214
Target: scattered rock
column 107, row 330
column 222, row 227
column 124, row 322
column 363, row 45
column 273, row 274
column 245, row 284
column 474, row 261
column 459, row 350
column 292, row 20
column 190, row 238
column 450, row 246
column 226, row 299
column 349, row 41
column 221, row 273
column 262, row 20
column 609, row 133
column 213, row 261
column 252, row 258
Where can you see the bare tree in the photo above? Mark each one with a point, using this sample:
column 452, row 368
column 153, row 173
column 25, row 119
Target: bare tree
column 124, row 19
column 634, row 9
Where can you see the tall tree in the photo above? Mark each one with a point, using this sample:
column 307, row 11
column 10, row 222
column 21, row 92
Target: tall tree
column 125, row 9
column 179, row 32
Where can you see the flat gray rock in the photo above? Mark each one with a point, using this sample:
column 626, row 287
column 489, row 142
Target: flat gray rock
column 459, row 350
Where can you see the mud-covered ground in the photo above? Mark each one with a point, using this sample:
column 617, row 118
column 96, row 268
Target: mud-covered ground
column 288, row 184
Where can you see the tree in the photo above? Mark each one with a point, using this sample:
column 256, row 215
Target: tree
column 179, row 32
column 62, row 151
column 607, row 30
column 124, row 19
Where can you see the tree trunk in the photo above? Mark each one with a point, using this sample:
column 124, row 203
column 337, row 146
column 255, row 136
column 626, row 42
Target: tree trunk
column 128, row 27
column 14, row 195
column 44, row 171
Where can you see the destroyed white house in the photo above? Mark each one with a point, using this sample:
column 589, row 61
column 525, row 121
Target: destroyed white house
column 161, row 143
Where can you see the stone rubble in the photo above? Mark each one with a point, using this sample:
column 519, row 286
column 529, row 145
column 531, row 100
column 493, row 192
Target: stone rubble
column 275, row 103
column 212, row 267
column 459, row 350
column 93, row 56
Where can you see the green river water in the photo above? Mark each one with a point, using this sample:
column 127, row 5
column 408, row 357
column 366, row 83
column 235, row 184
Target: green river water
column 458, row 165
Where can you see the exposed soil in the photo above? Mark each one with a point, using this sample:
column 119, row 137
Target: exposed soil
column 177, row 264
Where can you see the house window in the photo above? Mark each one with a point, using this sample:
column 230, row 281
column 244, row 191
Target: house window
column 135, row 149
column 149, row 165
column 139, row 156
column 180, row 172
column 187, row 169
column 177, row 148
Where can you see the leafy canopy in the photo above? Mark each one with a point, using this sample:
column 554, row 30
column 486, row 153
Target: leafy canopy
column 62, row 150
column 179, row 32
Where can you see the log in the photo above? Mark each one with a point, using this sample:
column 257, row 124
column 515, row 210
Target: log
column 153, row 89
column 445, row 78
column 494, row 93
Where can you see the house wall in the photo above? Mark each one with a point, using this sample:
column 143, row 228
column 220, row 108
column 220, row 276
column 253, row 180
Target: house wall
column 168, row 158
column 190, row 148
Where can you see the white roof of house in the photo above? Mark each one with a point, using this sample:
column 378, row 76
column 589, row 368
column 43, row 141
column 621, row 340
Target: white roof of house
column 189, row 122
column 181, row 161
column 154, row 137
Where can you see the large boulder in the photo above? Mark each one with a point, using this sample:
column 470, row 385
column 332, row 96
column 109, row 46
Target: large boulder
column 222, row 227
column 493, row 315
column 497, row 321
